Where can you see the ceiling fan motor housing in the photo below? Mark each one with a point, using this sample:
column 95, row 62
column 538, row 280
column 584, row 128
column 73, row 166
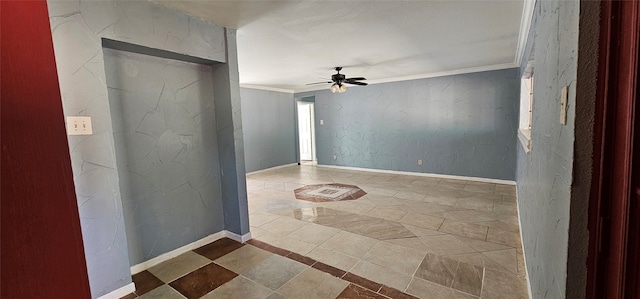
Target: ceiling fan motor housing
column 338, row 78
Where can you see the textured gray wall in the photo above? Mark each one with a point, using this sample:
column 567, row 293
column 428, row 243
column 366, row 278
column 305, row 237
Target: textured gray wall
column 545, row 174
column 269, row 128
column 165, row 139
column 77, row 29
column 226, row 94
column 458, row 125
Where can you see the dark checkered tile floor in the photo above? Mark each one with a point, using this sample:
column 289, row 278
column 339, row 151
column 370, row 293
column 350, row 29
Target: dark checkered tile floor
column 228, row 269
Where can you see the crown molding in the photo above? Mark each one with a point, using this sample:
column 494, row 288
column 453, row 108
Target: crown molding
column 426, row 75
column 525, row 26
column 268, row 88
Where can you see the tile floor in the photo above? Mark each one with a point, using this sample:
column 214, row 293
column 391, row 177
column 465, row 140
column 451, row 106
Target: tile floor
column 256, row 270
column 428, row 237
column 408, row 237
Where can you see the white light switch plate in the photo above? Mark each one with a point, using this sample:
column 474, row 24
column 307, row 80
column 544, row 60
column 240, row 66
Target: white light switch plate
column 79, row 125
column 563, row 105
column 321, row 122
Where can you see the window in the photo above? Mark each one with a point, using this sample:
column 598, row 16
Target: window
column 526, row 107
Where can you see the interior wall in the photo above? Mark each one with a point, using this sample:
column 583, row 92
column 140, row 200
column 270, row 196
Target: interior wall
column 544, row 175
column 461, row 125
column 166, row 150
column 268, row 127
column 78, row 28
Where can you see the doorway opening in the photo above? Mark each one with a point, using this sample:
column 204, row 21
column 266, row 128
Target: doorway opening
column 306, row 132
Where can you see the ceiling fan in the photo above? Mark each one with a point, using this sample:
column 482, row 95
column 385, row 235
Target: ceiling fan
column 339, row 80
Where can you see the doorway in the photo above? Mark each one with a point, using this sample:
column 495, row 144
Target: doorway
column 306, row 132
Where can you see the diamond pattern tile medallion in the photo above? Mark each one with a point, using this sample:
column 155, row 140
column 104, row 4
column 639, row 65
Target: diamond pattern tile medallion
column 329, row 192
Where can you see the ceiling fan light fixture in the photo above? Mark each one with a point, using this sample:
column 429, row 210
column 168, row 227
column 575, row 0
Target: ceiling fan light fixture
column 343, row 88
column 335, row 88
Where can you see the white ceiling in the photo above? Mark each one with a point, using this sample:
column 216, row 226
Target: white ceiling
column 286, row 44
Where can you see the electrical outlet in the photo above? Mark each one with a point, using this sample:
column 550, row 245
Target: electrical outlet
column 335, row 157
column 420, row 162
column 79, row 125
column 321, row 122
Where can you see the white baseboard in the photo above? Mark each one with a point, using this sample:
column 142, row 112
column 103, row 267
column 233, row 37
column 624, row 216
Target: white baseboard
column 119, row 293
column 271, row 168
column 434, row 175
column 524, row 253
column 191, row 246
column 176, row 252
column 233, row 236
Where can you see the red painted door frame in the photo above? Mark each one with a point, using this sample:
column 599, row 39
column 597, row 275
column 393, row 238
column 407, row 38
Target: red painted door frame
column 613, row 211
column 42, row 250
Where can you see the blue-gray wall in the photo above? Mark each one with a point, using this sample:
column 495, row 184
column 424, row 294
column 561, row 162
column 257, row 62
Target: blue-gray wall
column 269, row 128
column 461, row 125
column 78, row 29
column 164, row 129
column 544, row 175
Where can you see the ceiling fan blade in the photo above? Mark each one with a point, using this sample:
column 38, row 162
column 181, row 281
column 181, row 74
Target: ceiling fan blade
column 356, row 79
column 357, row 83
column 323, row 82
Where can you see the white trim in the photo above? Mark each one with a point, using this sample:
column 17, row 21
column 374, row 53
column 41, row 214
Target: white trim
column 525, row 26
column 494, row 67
column 524, row 254
column 434, row 175
column 268, row 88
column 176, row 252
column 525, row 138
column 119, row 293
column 271, row 168
column 233, row 236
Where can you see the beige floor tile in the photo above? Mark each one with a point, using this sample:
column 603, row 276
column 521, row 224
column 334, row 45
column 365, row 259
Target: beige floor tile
column 505, row 258
column 475, row 204
column 428, row 290
column 464, row 229
column 420, row 231
column 243, row 259
column 382, row 200
column 452, row 273
column 505, row 189
column 313, row 284
column 239, row 287
column 333, row 258
column 413, row 242
column 479, row 187
column 260, row 218
column 395, row 257
column 381, row 275
column 409, row 195
column 503, row 285
column 313, row 233
column 424, row 221
column 276, row 295
column 162, row 292
column 501, row 225
column 378, row 228
column 388, row 213
column 482, row 245
column 282, row 225
column 179, row 266
column 451, row 184
column 350, row 244
column 471, row 216
column 442, row 200
column 503, row 237
column 382, row 191
column 478, row 259
column 353, row 207
column 446, row 245
column 275, row 271
column 256, row 232
column 289, row 243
